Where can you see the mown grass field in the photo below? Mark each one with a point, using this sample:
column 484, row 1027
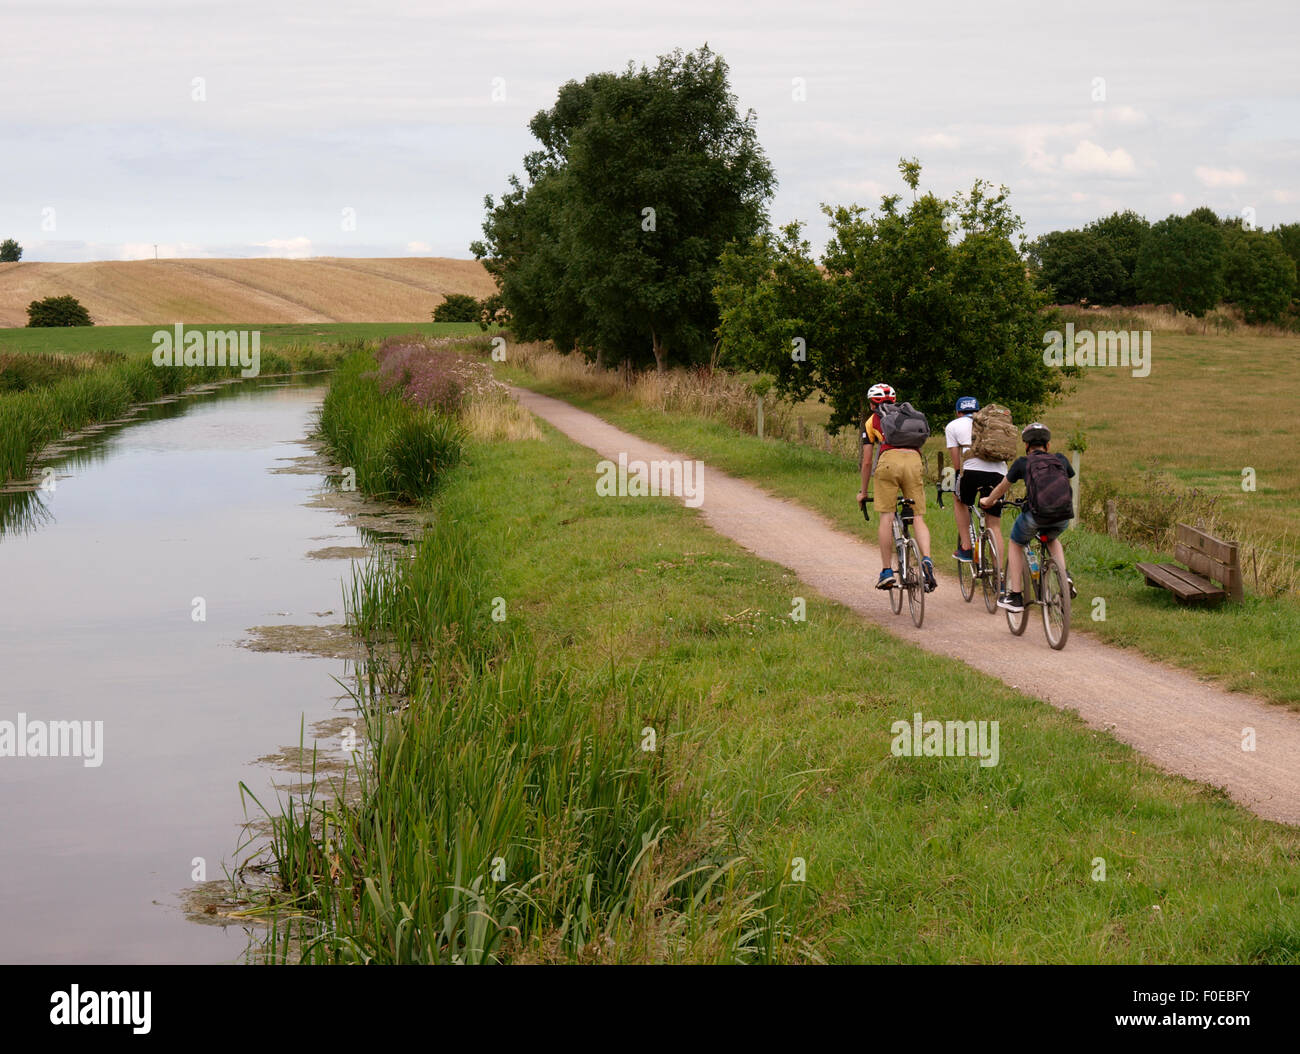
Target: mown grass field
column 909, row 860
column 201, row 291
column 1251, row 646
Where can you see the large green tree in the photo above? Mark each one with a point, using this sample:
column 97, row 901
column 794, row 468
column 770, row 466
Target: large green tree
column 1181, row 263
column 10, row 251
column 1075, row 266
column 1259, row 277
column 932, row 299
column 641, row 179
column 1124, row 232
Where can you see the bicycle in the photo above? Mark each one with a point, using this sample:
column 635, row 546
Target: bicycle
column 908, row 576
column 1050, row 590
column 983, row 564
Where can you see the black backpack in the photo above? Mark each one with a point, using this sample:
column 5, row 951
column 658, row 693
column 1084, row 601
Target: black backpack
column 1048, row 484
column 903, row 425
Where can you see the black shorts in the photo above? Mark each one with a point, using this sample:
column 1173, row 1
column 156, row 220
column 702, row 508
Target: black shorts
column 972, row 481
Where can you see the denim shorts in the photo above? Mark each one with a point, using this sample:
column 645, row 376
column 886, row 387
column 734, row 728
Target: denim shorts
column 1026, row 528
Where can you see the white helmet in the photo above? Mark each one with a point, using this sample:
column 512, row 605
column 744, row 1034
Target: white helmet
column 881, row 393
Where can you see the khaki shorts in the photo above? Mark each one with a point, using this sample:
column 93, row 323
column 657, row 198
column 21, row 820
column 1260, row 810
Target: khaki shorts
column 899, row 470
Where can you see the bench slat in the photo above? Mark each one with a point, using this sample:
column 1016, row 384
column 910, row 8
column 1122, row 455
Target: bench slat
column 1182, row 583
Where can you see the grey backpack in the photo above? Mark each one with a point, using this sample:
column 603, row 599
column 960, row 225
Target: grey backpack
column 903, row 425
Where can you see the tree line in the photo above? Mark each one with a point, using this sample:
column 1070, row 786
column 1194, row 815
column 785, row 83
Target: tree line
column 1193, row 262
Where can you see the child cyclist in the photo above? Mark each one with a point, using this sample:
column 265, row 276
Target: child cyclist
column 1048, row 507
column 899, row 468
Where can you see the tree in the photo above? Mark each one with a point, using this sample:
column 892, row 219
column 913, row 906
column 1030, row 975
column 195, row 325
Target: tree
column 641, row 180
column 1181, row 263
column 1259, row 276
column 1077, row 266
column 10, row 251
column 1124, row 232
column 1288, row 235
column 894, row 299
column 58, row 311
column 457, row 307
column 1205, row 214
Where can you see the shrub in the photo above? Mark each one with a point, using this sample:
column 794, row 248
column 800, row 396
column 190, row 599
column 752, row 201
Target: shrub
column 58, row 311
column 457, row 307
column 10, row 251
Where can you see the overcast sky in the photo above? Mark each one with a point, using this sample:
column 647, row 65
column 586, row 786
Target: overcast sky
column 109, row 145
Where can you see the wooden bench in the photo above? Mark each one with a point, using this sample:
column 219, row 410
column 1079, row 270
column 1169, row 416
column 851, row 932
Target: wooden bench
column 1215, row 568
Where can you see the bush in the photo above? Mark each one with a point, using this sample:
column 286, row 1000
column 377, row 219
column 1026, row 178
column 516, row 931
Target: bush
column 58, row 311
column 10, row 251
column 457, row 307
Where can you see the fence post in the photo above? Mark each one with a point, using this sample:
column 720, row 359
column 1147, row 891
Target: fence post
column 1074, row 483
column 760, row 417
column 801, row 431
column 1112, row 518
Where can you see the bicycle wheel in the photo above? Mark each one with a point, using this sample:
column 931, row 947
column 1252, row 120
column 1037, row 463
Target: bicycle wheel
column 991, row 574
column 1018, row 620
column 1056, row 605
column 896, row 594
column 915, row 583
column 966, row 579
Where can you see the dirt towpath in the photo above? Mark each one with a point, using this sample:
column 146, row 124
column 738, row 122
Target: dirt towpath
column 1183, row 725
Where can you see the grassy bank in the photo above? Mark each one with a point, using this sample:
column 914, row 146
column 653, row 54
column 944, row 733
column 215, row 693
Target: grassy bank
column 1250, row 646
column 512, row 808
column 521, row 740
column 44, row 396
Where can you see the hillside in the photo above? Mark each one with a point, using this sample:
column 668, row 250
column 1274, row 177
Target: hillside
column 324, row 289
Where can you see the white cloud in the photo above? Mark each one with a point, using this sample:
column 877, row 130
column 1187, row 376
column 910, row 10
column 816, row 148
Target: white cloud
column 1178, row 199
column 1284, row 197
column 1220, row 177
column 1126, row 115
column 419, row 248
column 938, row 141
column 1090, row 159
column 290, row 248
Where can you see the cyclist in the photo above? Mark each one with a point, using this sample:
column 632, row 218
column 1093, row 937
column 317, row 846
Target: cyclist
column 899, row 468
column 972, row 474
column 1037, row 438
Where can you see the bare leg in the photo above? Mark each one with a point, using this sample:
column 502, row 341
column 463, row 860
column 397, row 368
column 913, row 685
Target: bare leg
column 922, row 533
column 995, row 528
column 1015, row 567
column 1058, row 554
column 962, row 512
column 886, row 536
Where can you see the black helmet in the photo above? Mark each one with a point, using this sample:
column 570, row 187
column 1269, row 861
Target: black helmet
column 1036, row 434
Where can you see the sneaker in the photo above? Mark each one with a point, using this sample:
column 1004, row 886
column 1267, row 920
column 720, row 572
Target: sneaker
column 966, row 556
column 1074, row 593
column 886, row 579
column 927, row 569
column 1012, row 602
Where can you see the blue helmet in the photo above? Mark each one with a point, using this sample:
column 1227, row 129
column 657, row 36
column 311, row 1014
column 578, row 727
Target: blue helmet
column 967, row 404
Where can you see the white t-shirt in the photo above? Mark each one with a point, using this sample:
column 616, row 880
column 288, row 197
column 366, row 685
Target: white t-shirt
column 957, row 434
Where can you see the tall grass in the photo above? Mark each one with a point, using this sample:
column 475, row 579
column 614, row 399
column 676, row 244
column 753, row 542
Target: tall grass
column 507, row 809
column 398, row 450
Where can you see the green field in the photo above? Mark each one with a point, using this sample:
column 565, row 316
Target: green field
column 783, row 728
column 131, row 340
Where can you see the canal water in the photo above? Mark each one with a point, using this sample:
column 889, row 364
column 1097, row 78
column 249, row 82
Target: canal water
column 177, row 514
